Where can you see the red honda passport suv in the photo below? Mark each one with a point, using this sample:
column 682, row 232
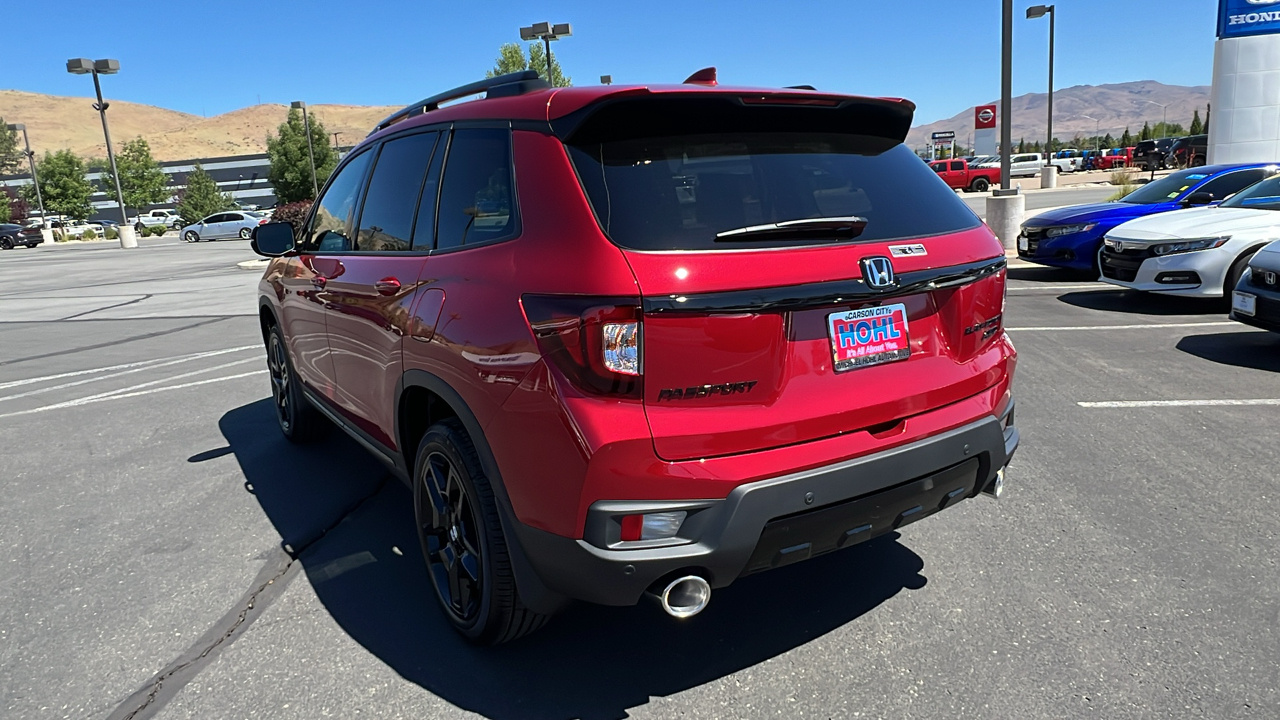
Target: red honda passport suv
column 628, row 340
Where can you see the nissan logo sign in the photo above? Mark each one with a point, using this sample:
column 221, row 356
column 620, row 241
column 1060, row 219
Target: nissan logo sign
column 985, row 115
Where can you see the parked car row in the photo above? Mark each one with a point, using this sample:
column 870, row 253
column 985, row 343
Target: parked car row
column 1207, row 232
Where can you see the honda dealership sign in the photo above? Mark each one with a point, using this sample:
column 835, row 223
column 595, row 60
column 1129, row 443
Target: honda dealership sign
column 1238, row 18
column 1246, row 72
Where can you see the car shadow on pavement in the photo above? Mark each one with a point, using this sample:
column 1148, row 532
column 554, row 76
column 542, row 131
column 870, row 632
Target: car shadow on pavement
column 1248, row 349
column 590, row 661
column 1144, row 303
column 1042, row 273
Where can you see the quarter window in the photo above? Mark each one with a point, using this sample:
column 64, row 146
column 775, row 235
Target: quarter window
column 386, row 218
column 331, row 221
column 476, row 201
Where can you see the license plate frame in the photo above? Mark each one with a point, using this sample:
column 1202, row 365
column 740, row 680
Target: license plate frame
column 868, row 336
column 1024, row 244
column 1244, row 303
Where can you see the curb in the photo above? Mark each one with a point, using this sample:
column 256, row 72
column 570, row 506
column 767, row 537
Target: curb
column 253, row 264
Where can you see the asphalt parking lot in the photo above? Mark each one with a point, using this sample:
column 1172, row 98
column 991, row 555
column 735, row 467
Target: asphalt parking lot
column 167, row 554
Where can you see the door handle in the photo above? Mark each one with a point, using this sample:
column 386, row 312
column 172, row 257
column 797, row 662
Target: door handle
column 387, row 286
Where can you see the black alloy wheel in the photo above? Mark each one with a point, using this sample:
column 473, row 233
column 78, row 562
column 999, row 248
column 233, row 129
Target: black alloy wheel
column 450, row 537
column 299, row 422
column 460, row 531
column 6, row 243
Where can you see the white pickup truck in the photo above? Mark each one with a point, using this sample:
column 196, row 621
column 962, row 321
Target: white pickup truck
column 1029, row 164
column 153, row 218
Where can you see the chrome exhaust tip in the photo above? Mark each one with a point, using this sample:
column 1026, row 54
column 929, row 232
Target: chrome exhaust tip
column 685, row 596
column 995, row 488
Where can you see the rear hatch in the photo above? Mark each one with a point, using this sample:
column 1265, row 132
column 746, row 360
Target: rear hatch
column 802, row 273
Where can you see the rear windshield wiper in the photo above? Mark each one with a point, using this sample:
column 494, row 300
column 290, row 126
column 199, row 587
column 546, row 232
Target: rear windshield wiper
column 850, row 226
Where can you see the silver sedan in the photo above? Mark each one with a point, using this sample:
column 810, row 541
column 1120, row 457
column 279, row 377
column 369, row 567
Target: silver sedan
column 229, row 224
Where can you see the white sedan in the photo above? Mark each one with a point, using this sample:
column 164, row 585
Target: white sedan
column 1200, row 252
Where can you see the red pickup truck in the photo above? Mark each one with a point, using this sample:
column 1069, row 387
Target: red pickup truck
column 960, row 176
column 1116, row 158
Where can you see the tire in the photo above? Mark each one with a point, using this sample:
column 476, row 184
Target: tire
column 1234, row 274
column 245, row 233
column 298, row 420
column 191, row 236
column 6, row 243
column 980, row 184
column 460, row 532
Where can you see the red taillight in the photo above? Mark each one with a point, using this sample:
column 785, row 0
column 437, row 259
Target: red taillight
column 263, row 221
column 594, row 341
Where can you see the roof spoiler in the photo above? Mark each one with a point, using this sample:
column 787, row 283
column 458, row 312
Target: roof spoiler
column 516, row 83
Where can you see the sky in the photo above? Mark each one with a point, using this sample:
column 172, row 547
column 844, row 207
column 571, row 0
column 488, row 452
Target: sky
column 211, row 56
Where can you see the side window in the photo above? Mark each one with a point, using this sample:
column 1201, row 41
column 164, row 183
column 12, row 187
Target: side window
column 424, row 231
column 957, row 165
column 220, row 217
column 939, row 167
column 330, row 229
column 476, row 200
column 386, row 217
column 1231, row 183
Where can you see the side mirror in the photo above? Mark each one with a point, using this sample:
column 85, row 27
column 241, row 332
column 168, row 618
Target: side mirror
column 273, row 239
column 1198, row 198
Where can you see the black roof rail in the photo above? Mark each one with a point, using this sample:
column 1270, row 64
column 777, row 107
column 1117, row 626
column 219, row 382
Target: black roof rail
column 516, row 83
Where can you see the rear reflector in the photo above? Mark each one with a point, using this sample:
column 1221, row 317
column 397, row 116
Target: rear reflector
column 653, row 526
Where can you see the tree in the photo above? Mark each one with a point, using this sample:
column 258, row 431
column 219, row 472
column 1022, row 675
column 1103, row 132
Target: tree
column 1022, row 145
column 202, row 197
column 11, row 158
column 290, row 172
column 512, row 59
column 142, row 182
column 1108, row 141
column 1196, row 126
column 1206, row 119
column 1126, row 139
column 65, row 189
column 5, row 213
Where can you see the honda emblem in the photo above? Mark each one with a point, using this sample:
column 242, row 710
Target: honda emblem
column 877, row 272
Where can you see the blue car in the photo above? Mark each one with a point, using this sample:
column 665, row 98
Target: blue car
column 1071, row 237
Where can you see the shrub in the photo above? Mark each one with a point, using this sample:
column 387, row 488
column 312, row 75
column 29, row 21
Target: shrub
column 295, row 213
column 111, row 233
column 89, row 234
column 154, row 230
column 1124, row 182
column 59, row 237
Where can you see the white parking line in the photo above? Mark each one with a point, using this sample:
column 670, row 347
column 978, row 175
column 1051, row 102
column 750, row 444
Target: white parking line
column 109, row 368
column 1176, row 403
column 149, row 365
column 1145, row 326
column 133, row 390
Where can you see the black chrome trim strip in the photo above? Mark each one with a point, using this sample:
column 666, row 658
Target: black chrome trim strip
column 835, row 292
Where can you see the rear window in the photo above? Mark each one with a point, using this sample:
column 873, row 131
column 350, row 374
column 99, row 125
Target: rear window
column 678, row 192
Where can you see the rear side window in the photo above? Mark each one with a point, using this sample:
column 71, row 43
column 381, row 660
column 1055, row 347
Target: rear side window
column 677, row 193
column 476, row 200
column 1232, row 183
column 386, row 217
column 957, row 165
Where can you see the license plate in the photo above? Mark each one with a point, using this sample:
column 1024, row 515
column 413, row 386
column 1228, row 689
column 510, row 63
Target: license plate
column 1023, row 244
column 870, row 336
column 1244, row 303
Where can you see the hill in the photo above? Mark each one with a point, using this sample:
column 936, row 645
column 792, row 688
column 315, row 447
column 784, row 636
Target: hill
column 55, row 122
column 1115, row 106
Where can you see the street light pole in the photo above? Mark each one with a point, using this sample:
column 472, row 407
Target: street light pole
column 1034, row 12
column 35, row 179
column 1006, row 91
column 546, row 32
column 311, row 153
column 1164, row 117
column 1096, row 139
column 84, row 66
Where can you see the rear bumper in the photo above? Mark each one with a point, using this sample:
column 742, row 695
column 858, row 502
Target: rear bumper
column 776, row 521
